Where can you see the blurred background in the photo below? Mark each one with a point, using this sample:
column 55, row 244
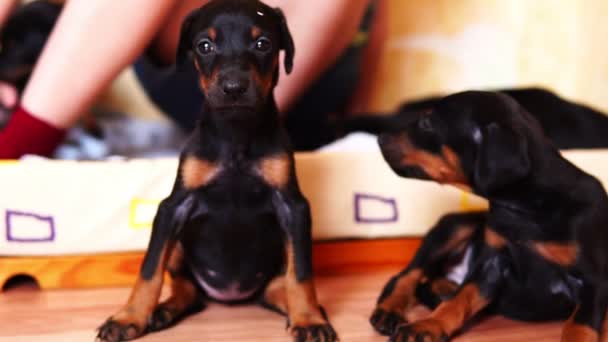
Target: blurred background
column 442, row 46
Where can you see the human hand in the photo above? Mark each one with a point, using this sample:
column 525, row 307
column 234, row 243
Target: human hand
column 9, row 96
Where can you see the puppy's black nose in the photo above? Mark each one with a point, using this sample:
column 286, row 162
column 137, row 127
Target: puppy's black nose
column 235, row 87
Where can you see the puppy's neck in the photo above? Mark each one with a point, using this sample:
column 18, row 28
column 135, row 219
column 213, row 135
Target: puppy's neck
column 546, row 192
column 238, row 129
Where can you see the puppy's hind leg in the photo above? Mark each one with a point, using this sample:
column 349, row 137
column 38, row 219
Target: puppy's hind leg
column 451, row 236
column 185, row 297
column 585, row 324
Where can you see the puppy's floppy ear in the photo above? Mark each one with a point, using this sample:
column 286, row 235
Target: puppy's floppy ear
column 286, row 40
column 184, row 47
column 502, row 159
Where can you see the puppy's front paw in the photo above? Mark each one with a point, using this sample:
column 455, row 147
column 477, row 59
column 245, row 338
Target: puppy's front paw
column 114, row 331
column 166, row 315
column 314, row 333
column 428, row 330
column 386, row 322
column 162, row 318
column 313, row 328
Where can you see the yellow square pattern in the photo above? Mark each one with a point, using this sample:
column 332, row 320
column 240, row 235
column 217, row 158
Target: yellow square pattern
column 142, row 212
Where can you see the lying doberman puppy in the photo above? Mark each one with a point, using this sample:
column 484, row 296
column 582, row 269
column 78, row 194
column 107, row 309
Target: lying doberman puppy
column 22, row 39
column 236, row 226
column 568, row 124
column 540, row 253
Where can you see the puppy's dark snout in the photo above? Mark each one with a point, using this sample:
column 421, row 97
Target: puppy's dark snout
column 386, row 140
column 235, row 87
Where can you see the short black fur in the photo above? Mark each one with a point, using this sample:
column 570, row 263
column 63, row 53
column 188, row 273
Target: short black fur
column 236, row 210
column 543, row 248
column 570, row 125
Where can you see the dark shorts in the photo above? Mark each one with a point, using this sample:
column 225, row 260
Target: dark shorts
column 177, row 94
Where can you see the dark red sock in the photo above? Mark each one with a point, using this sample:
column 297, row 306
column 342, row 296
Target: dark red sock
column 26, row 134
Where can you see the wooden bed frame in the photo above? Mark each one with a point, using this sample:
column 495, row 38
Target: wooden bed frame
column 118, row 270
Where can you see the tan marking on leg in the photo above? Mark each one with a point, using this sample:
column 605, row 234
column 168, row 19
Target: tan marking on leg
column 403, row 296
column 452, row 314
column 443, row 287
column 493, row 239
column 563, row 254
column 184, row 295
column 302, row 305
column 276, row 294
column 604, row 335
column 144, row 296
column 175, row 263
column 275, row 170
column 196, row 172
column 574, row 332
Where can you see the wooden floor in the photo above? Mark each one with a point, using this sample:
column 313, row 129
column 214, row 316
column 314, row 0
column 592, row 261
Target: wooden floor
column 53, row 316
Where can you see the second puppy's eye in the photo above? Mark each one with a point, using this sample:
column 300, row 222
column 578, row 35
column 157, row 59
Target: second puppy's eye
column 263, row 44
column 205, row 47
column 425, row 124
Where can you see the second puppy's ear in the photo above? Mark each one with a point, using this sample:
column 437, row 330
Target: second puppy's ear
column 502, row 159
column 286, row 40
column 184, row 47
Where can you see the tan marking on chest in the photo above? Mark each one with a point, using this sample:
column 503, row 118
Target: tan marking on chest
column 196, row 172
column 275, row 170
column 563, row 254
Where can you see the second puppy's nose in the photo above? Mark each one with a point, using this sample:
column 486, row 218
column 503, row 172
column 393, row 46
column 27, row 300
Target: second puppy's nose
column 235, row 87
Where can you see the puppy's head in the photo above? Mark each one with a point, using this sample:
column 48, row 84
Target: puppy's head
column 235, row 46
column 22, row 40
column 480, row 141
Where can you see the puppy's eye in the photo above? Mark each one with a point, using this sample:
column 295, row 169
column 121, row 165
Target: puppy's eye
column 263, row 44
column 205, row 47
column 425, row 124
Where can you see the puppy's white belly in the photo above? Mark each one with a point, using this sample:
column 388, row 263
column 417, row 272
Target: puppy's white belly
column 459, row 271
column 229, row 294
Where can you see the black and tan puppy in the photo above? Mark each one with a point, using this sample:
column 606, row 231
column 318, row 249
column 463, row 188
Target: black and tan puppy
column 540, row 250
column 236, row 226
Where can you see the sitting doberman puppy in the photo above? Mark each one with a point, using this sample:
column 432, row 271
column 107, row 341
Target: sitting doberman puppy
column 568, row 124
column 236, row 226
column 540, row 253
